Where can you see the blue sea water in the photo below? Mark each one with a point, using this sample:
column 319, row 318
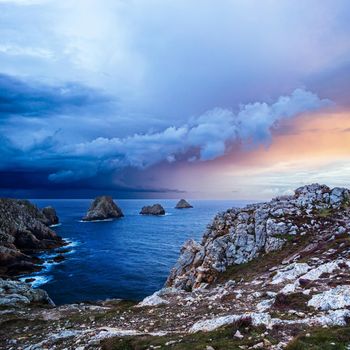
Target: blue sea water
column 127, row 258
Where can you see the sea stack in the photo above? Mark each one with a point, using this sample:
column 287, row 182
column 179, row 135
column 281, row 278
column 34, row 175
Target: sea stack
column 155, row 209
column 183, row 204
column 103, row 208
column 50, row 216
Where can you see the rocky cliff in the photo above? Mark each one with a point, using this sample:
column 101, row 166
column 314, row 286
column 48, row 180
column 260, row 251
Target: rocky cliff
column 23, row 230
column 293, row 294
column 240, row 235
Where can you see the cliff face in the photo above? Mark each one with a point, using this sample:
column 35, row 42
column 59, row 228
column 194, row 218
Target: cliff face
column 23, row 229
column 240, row 235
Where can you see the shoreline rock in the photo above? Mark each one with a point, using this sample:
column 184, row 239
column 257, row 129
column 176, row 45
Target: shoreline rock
column 155, row 209
column 183, row 204
column 103, row 208
column 23, row 231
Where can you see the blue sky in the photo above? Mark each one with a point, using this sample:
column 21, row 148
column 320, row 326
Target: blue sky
column 136, row 98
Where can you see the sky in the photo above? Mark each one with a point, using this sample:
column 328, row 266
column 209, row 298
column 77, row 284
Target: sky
column 237, row 99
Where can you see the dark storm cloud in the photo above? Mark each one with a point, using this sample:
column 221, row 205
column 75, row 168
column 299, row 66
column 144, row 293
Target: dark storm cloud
column 19, row 97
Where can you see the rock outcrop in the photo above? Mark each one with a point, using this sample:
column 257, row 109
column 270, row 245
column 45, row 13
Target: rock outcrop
column 239, row 235
column 23, row 230
column 183, row 204
column 155, row 209
column 17, row 294
column 103, row 208
column 50, row 215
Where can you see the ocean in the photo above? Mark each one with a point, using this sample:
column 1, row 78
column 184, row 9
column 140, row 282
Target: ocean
column 126, row 258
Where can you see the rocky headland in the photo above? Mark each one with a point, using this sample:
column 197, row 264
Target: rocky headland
column 103, row 208
column 24, row 230
column 155, row 209
column 183, row 204
column 272, row 275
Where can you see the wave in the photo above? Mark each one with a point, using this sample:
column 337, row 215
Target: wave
column 56, row 225
column 37, row 280
column 102, row 220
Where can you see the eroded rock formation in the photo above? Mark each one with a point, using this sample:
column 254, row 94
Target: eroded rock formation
column 183, row 204
column 103, row 208
column 240, row 235
column 155, row 209
column 23, row 230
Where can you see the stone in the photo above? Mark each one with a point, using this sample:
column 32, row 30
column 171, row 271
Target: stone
column 50, row 216
column 290, row 272
column 155, row 209
column 23, row 230
column 183, row 204
column 153, row 300
column 336, row 298
column 17, row 294
column 103, row 208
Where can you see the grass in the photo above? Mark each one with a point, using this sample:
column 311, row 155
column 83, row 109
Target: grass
column 222, row 339
column 325, row 212
column 295, row 301
column 337, row 338
column 264, row 262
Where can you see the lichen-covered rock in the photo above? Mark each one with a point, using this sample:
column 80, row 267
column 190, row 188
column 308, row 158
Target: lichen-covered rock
column 240, row 235
column 103, row 208
column 336, row 298
column 23, row 229
column 183, row 204
column 155, row 209
column 16, row 294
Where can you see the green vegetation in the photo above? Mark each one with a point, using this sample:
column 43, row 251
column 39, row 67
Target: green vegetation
column 222, row 339
column 337, row 338
column 250, row 270
column 295, row 301
column 325, row 212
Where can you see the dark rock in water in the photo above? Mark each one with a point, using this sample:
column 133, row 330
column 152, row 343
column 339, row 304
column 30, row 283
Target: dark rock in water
column 103, row 208
column 22, row 231
column 50, row 216
column 58, row 258
column 155, row 209
column 183, row 204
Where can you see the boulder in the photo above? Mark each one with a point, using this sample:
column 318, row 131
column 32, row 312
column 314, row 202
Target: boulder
column 103, row 208
column 155, row 209
column 183, row 204
column 50, row 216
column 17, row 294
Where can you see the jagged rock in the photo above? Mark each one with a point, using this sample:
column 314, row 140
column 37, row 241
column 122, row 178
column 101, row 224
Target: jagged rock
column 50, row 215
column 22, row 231
column 336, row 298
column 15, row 294
column 183, row 204
column 155, row 209
column 153, row 300
column 103, row 208
column 240, row 235
column 290, row 272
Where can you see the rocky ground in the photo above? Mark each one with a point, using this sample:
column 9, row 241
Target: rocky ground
column 287, row 287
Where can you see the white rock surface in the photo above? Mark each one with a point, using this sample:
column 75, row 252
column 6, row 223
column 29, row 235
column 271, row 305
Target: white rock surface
column 336, row 298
